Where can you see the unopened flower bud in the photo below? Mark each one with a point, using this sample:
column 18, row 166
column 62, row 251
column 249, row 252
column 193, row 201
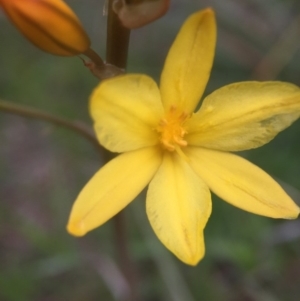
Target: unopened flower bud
column 138, row 13
column 49, row 24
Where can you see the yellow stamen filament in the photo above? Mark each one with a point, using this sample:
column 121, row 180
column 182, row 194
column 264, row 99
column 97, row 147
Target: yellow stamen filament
column 172, row 130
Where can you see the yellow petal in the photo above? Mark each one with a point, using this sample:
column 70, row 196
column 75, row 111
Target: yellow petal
column 126, row 111
column 178, row 207
column 189, row 61
column 112, row 188
column 49, row 24
column 241, row 183
column 244, row 115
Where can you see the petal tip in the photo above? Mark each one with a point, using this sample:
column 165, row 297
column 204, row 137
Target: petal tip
column 192, row 254
column 209, row 10
column 193, row 260
column 206, row 13
column 76, row 229
column 294, row 213
column 290, row 210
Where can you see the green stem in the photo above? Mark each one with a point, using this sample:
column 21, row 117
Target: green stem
column 76, row 126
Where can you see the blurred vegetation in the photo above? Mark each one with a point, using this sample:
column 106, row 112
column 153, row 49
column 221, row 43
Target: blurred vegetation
column 42, row 169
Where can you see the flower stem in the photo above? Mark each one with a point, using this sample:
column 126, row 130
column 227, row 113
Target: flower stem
column 116, row 54
column 117, row 40
column 76, row 126
column 91, row 54
column 127, row 265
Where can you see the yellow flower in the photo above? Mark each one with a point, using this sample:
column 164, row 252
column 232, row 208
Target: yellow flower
column 184, row 154
column 49, row 24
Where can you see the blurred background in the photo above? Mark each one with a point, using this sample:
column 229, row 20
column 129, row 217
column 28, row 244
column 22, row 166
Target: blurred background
column 43, row 168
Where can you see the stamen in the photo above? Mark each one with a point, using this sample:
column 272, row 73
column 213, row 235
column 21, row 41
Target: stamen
column 180, row 141
column 167, row 145
column 171, row 129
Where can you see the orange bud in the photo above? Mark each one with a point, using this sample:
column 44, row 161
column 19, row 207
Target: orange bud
column 138, row 13
column 49, row 24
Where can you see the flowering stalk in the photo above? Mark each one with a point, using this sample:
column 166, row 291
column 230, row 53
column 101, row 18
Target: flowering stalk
column 78, row 127
column 117, row 42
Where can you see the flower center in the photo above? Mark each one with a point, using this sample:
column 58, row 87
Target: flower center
column 171, row 129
